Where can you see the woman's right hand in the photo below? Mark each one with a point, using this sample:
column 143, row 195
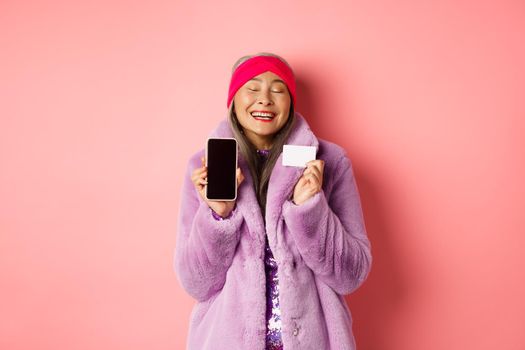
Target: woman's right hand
column 199, row 179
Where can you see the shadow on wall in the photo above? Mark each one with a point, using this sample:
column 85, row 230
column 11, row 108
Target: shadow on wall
column 375, row 304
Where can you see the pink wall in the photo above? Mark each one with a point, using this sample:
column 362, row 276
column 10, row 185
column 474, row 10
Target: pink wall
column 102, row 102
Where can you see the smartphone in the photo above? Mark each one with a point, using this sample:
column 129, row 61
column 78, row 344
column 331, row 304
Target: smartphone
column 221, row 160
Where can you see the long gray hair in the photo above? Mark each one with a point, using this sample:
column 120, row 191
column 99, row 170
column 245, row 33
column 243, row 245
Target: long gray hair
column 259, row 169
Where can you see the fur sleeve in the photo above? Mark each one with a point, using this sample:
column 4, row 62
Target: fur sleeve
column 331, row 237
column 205, row 247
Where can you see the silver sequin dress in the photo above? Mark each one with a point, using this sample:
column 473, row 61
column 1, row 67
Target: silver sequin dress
column 273, row 311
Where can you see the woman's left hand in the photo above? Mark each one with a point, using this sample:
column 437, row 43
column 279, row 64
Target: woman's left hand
column 310, row 182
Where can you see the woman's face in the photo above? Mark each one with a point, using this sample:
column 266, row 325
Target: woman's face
column 262, row 106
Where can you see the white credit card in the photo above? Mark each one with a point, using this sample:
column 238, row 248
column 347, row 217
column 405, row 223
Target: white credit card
column 298, row 155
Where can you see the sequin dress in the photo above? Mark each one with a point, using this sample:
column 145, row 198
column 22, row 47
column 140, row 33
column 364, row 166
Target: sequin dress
column 273, row 311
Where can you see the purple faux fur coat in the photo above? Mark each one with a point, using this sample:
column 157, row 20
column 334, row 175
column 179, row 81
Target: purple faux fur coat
column 321, row 249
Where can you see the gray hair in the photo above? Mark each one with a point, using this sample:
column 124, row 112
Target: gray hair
column 260, row 170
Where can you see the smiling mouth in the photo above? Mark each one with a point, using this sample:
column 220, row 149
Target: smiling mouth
column 263, row 116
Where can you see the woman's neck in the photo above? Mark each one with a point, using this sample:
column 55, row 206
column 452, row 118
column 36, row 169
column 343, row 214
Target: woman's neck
column 260, row 142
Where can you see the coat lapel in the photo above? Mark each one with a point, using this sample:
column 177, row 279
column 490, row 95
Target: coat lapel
column 280, row 186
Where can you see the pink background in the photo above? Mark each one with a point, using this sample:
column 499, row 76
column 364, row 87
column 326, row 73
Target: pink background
column 102, row 103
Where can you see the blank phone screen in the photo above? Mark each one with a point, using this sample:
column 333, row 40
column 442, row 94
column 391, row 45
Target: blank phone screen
column 222, row 166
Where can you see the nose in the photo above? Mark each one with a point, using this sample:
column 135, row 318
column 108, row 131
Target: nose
column 265, row 98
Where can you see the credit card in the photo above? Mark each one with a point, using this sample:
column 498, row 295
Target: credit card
column 298, row 156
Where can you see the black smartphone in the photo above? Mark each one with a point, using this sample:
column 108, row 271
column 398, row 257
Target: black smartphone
column 221, row 160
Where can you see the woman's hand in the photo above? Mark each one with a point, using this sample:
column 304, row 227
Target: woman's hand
column 310, row 183
column 199, row 179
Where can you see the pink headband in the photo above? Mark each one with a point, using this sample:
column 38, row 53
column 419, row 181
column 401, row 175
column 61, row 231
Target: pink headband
column 257, row 65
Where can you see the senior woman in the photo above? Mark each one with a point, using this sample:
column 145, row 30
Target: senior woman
column 270, row 270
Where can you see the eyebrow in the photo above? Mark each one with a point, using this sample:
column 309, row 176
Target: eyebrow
column 273, row 81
